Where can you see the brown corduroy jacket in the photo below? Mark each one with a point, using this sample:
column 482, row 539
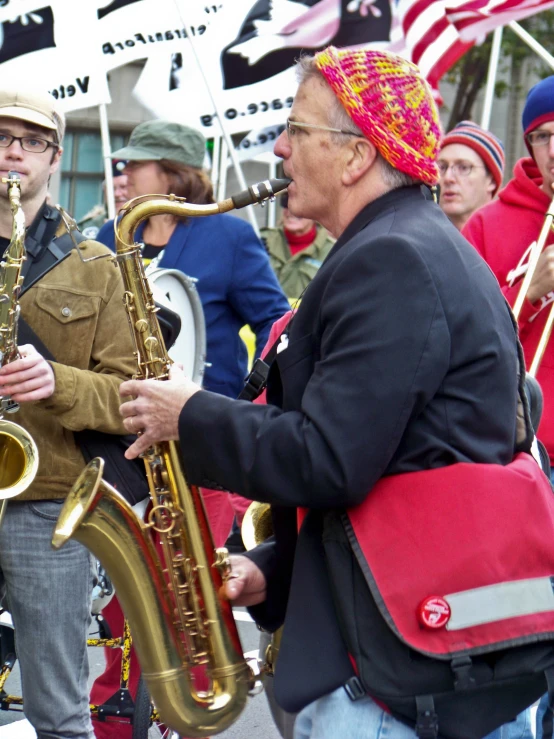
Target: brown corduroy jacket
column 77, row 311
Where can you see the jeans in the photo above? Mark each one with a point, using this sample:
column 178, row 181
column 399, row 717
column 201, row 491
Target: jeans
column 518, row 729
column 543, row 703
column 335, row 715
column 541, row 710
column 48, row 594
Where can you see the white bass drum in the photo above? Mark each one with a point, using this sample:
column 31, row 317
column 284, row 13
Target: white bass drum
column 177, row 291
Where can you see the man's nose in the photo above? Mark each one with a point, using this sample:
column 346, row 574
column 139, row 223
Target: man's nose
column 282, row 146
column 15, row 149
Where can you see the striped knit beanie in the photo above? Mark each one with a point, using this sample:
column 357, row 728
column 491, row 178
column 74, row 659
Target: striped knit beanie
column 390, row 101
column 484, row 143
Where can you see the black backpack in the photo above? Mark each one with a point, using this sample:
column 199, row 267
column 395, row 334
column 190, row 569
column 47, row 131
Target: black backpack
column 451, row 573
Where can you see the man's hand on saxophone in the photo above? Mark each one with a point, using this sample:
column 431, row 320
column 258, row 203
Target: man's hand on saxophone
column 154, row 411
column 27, row 379
column 246, row 585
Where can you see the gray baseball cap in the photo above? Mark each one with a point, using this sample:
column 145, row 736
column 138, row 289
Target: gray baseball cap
column 155, row 140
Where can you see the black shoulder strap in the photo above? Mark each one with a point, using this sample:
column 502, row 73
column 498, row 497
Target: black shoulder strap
column 26, row 335
column 44, row 250
column 256, row 381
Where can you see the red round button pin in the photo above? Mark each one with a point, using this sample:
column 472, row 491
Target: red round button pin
column 434, row 612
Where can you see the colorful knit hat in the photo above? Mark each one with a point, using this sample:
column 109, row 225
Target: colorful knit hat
column 390, row 101
column 484, row 143
column 539, row 105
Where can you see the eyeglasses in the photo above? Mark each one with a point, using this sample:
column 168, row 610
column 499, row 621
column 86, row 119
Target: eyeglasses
column 459, row 169
column 28, row 143
column 292, row 125
column 539, row 138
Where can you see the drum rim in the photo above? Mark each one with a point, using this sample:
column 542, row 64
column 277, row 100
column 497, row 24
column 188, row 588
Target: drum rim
column 188, row 283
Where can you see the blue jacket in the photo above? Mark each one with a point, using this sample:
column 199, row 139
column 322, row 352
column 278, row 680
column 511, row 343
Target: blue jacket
column 236, row 286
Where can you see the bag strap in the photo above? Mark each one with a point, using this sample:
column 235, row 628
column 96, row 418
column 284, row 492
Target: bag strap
column 256, row 380
column 44, row 249
column 26, row 335
column 427, row 723
column 525, row 433
column 547, row 719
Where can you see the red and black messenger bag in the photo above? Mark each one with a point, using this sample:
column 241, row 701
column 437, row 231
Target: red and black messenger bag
column 444, row 586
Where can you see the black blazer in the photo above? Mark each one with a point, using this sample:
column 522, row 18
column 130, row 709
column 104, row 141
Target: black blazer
column 402, row 356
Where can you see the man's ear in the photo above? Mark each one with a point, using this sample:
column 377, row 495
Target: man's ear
column 491, row 185
column 56, row 159
column 361, row 155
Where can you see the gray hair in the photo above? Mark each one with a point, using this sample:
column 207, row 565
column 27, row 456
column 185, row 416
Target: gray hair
column 393, row 178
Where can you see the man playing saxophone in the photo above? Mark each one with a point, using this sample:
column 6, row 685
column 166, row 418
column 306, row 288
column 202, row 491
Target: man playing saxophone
column 73, row 315
column 387, row 367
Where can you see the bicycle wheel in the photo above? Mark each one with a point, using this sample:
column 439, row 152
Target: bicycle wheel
column 143, row 726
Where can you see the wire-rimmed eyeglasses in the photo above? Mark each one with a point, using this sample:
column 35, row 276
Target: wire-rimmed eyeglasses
column 539, row 138
column 28, row 143
column 291, row 125
column 459, row 169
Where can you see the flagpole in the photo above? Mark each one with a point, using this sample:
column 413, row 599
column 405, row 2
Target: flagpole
column 222, row 174
column 215, row 162
column 219, row 114
column 491, row 78
column 106, row 153
column 530, row 41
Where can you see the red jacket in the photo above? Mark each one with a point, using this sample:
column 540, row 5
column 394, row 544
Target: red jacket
column 501, row 231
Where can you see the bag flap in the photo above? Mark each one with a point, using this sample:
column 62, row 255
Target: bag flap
column 460, row 559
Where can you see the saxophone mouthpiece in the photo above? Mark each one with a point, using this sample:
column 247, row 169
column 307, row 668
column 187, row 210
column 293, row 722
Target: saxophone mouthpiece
column 260, row 192
column 13, row 178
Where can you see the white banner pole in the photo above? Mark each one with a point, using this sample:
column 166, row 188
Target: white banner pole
column 106, row 153
column 219, row 114
column 531, row 43
column 491, row 78
column 222, row 175
column 215, row 162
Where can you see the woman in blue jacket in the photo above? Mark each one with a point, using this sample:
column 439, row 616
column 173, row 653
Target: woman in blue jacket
column 235, row 282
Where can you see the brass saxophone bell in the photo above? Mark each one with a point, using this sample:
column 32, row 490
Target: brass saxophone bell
column 257, row 524
column 18, row 459
column 256, row 527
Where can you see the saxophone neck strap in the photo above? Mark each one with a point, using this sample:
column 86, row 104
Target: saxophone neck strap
column 41, row 232
column 44, row 250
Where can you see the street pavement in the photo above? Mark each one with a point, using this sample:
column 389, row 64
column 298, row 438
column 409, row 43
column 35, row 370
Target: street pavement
column 254, row 723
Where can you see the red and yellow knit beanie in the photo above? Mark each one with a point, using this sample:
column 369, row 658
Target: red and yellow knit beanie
column 389, row 100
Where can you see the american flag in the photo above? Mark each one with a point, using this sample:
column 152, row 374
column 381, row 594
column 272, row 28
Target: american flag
column 438, row 32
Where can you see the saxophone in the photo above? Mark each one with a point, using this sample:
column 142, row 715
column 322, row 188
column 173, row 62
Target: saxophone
column 177, row 617
column 18, row 451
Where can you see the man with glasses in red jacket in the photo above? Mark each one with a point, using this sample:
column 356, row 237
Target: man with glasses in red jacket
column 503, row 232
